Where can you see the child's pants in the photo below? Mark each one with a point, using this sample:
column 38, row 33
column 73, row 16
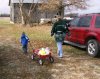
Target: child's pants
column 24, row 48
column 60, row 51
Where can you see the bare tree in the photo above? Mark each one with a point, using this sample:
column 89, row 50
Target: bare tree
column 60, row 4
column 21, row 11
column 49, row 5
column 26, row 16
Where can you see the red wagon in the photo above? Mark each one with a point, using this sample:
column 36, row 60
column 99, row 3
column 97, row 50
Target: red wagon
column 42, row 58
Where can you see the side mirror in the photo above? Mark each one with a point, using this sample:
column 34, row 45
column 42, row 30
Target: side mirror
column 68, row 24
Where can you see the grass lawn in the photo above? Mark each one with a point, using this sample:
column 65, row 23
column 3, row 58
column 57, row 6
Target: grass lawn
column 38, row 35
column 4, row 20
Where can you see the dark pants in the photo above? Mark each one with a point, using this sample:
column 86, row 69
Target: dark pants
column 24, row 48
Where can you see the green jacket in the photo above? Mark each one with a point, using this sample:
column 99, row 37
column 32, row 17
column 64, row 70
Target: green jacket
column 59, row 30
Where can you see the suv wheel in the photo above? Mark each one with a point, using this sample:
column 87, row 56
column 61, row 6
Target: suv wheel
column 93, row 48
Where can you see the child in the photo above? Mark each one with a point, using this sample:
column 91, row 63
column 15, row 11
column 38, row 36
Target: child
column 24, row 42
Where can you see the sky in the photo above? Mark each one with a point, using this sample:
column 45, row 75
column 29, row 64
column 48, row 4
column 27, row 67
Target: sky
column 4, row 8
column 94, row 6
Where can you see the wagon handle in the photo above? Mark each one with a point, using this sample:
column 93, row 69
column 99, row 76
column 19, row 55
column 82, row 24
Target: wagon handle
column 31, row 45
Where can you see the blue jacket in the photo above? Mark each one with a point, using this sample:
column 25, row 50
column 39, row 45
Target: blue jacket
column 24, row 39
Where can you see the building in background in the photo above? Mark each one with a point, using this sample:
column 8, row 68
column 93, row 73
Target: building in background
column 38, row 15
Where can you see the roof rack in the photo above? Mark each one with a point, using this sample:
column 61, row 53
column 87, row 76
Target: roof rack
column 88, row 14
column 92, row 13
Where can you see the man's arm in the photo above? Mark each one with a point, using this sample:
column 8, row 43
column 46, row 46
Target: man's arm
column 53, row 29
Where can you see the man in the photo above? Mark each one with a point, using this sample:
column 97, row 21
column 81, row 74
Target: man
column 59, row 30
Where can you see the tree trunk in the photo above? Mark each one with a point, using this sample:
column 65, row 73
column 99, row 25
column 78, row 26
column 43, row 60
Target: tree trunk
column 22, row 16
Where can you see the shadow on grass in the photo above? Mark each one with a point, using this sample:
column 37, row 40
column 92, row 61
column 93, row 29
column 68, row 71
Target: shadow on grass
column 74, row 50
column 15, row 65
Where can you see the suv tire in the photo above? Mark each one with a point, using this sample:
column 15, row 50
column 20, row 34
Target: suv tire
column 93, row 48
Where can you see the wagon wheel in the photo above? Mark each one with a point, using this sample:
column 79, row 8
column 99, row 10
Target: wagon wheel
column 33, row 57
column 51, row 59
column 40, row 61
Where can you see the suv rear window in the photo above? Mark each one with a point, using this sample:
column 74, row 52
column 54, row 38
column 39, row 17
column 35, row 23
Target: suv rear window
column 85, row 21
column 97, row 22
